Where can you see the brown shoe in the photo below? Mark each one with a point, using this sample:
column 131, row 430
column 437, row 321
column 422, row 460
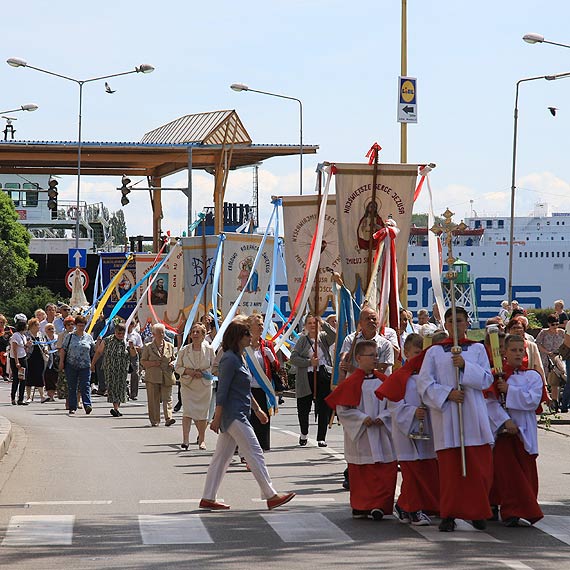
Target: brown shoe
column 278, row 500
column 213, row 505
column 169, row 422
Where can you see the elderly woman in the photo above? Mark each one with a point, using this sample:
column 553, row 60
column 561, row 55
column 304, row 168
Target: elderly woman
column 117, row 357
column 233, row 407
column 266, row 357
column 77, row 350
column 62, row 388
column 37, row 357
column 548, row 342
column 157, row 359
column 52, row 364
column 518, row 325
column 311, row 356
column 194, row 366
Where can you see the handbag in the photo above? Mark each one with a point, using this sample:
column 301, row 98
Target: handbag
column 564, row 352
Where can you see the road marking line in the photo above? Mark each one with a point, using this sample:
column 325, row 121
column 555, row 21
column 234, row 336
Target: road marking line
column 40, row 530
column 553, row 503
column 304, row 499
column 556, row 526
column 42, row 503
column 305, row 527
column 314, row 443
column 516, row 565
column 173, row 529
column 170, row 501
column 463, row 533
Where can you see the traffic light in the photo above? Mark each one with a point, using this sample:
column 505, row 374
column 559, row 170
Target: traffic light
column 52, row 195
column 125, row 190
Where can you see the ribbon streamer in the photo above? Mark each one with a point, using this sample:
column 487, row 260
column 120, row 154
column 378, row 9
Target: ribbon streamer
column 277, row 202
column 110, row 288
column 264, row 382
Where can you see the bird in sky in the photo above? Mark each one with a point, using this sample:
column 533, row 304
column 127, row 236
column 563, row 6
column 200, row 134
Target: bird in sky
column 553, row 110
column 108, row 88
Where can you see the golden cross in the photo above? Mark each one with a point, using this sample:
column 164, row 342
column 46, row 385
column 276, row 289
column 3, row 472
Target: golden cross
column 449, row 229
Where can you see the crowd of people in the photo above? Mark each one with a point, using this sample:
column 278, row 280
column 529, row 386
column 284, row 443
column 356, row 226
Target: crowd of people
column 437, row 411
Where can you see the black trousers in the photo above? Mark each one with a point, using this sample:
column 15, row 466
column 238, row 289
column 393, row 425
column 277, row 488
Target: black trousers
column 18, row 386
column 322, row 411
column 262, row 431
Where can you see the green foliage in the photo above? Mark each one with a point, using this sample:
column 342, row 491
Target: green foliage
column 537, row 318
column 26, row 300
column 15, row 262
column 421, row 220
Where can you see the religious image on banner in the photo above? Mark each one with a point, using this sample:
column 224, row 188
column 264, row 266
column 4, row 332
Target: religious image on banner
column 167, row 290
column 198, row 256
column 359, row 216
column 300, row 221
column 240, row 251
column 111, row 264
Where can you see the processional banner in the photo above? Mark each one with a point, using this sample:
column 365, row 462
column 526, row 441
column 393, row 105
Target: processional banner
column 198, row 256
column 240, row 251
column 300, row 215
column 111, row 264
column 167, row 290
column 395, row 186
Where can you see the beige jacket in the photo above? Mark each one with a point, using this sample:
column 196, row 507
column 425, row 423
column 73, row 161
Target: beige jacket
column 163, row 374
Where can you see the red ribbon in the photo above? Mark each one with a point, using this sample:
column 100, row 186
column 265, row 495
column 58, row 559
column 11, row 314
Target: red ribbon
column 372, row 154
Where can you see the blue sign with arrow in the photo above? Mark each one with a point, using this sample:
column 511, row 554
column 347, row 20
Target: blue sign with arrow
column 77, row 257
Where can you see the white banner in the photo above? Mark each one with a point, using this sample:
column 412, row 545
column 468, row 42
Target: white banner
column 239, row 254
column 300, row 222
column 198, row 257
column 395, row 188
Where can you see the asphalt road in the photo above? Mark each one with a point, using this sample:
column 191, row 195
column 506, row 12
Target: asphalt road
column 102, row 492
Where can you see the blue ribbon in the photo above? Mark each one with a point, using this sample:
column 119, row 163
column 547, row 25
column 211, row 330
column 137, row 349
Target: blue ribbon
column 278, row 312
column 216, row 285
column 196, row 305
column 263, row 381
column 271, row 301
column 345, row 326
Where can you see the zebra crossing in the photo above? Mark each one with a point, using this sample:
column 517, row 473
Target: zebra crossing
column 194, row 529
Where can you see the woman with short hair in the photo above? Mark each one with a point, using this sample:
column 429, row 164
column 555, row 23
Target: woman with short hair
column 19, row 360
column 231, row 418
column 37, row 358
column 77, row 350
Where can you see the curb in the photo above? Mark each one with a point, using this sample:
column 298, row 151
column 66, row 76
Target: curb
column 5, row 436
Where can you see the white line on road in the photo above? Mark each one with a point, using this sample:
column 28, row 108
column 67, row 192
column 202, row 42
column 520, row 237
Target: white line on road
column 304, row 499
column 553, row 503
column 516, row 565
column 43, row 503
column 40, row 530
column 173, row 529
column 463, row 533
column 305, row 527
column 556, row 526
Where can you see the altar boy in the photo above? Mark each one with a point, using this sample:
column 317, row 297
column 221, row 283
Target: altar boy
column 368, row 447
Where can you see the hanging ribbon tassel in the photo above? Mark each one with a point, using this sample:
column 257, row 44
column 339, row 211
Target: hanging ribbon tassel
column 277, row 202
column 373, row 153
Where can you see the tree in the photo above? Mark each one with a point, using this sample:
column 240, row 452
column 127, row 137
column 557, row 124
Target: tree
column 421, row 220
column 27, row 300
column 118, row 227
column 15, row 262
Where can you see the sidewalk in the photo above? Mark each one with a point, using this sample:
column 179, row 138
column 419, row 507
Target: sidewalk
column 5, row 436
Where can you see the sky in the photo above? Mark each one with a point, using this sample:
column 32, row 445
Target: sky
column 342, row 59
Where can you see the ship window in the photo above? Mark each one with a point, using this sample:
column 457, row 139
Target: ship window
column 471, row 254
column 525, row 254
column 489, row 223
column 477, row 224
column 501, row 224
column 557, row 223
column 520, row 253
column 495, row 253
column 537, row 238
column 552, row 237
column 546, row 254
column 548, row 223
column 557, row 254
column 558, row 266
column 527, row 238
column 483, row 254
column 424, row 254
column 13, row 191
column 542, row 254
column 562, row 223
column 31, row 195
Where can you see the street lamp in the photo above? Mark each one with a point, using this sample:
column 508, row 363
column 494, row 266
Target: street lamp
column 513, row 172
column 27, row 107
column 241, row 87
column 534, row 38
column 144, row 68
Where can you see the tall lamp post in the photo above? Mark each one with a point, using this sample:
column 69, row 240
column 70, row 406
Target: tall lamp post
column 534, row 38
column 144, row 68
column 241, row 87
column 513, row 172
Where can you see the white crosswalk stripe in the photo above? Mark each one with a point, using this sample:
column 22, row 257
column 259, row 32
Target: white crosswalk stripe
column 40, row 530
column 173, row 529
column 556, row 526
column 305, row 527
column 463, row 533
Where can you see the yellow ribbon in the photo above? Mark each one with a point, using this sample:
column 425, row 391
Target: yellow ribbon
column 107, row 294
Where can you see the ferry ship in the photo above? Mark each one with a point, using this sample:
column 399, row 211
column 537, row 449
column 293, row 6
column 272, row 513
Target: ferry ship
column 541, row 261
